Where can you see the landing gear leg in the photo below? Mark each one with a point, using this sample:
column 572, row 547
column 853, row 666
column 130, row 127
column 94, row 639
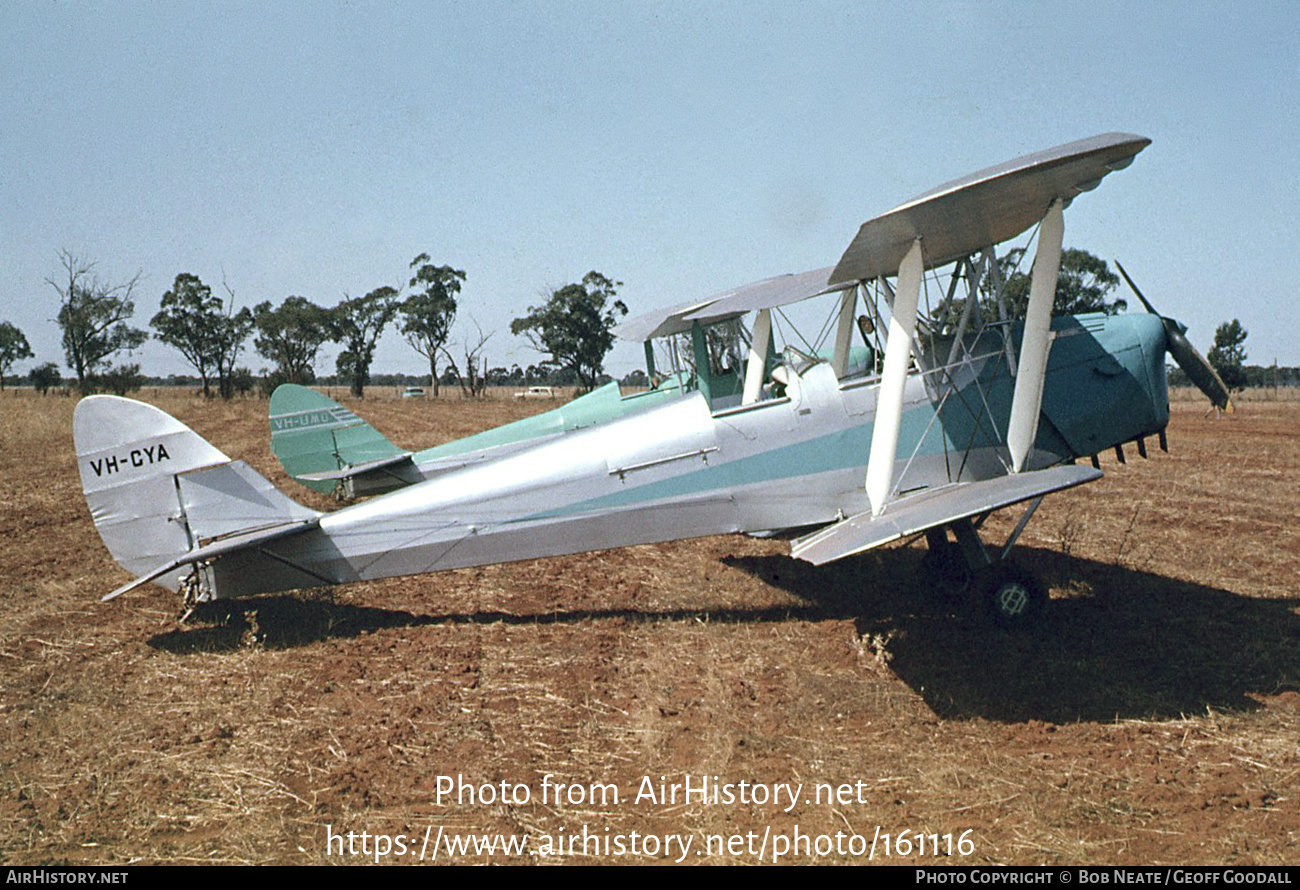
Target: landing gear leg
column 1012, row 597
column 949, row 574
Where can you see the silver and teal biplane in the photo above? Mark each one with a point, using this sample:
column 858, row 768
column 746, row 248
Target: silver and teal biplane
column 958, row 412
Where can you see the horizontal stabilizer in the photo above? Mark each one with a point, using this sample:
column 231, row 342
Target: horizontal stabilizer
column 933, row 508
column 217, row 548
column 231, row 498
column 374, row 466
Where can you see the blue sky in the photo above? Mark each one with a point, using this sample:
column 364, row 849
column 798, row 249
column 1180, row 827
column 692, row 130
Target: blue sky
column 681, row 148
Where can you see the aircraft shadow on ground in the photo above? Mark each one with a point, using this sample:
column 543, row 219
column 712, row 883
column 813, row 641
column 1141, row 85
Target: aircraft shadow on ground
column 287, row 621
column 1120, row 644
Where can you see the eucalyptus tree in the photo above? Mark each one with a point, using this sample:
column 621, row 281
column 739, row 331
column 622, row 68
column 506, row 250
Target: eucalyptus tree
column 13, row 348
column 575, row 326
column 93, row 316
column 428, row 313
column 290, row 336
column 202, row 329
column 357, row 324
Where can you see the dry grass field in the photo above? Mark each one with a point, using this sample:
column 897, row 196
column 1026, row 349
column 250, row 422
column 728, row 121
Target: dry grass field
column 1153, row 719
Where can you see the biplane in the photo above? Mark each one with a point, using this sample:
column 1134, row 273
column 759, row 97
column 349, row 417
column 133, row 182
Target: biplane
column 961, row 410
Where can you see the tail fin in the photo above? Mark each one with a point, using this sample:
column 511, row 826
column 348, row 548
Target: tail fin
column 158, row 491
column 319, row 442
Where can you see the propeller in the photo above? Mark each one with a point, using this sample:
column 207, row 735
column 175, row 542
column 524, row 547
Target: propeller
column 1194, row 365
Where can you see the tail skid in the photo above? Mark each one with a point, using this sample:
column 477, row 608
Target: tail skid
column 163, row 498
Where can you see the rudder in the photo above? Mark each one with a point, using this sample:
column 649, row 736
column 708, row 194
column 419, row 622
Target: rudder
column 157, row 490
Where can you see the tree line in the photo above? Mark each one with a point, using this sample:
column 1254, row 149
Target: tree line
column 573, row 328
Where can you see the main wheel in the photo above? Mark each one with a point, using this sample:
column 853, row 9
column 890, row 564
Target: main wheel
column 1014, row 598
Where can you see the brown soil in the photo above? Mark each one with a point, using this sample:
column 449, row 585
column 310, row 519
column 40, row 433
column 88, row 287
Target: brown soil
column 1153, row 719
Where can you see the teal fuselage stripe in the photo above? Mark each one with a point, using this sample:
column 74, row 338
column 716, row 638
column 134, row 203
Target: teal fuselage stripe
column 603, row 404
column 841, row 450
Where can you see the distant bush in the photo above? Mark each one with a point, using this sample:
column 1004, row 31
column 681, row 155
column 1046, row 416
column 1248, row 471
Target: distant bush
column 120, row 379
column 46, row 377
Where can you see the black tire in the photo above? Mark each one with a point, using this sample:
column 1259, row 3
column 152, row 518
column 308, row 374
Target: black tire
column 1013, row 598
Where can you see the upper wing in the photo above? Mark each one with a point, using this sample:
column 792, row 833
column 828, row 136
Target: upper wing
column 933, row 508
column 660, row 322
column 955, row 219
column 779, row 290
column 984, row 208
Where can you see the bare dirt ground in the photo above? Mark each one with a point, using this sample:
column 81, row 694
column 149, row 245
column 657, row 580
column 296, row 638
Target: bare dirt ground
column 1154, row 719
